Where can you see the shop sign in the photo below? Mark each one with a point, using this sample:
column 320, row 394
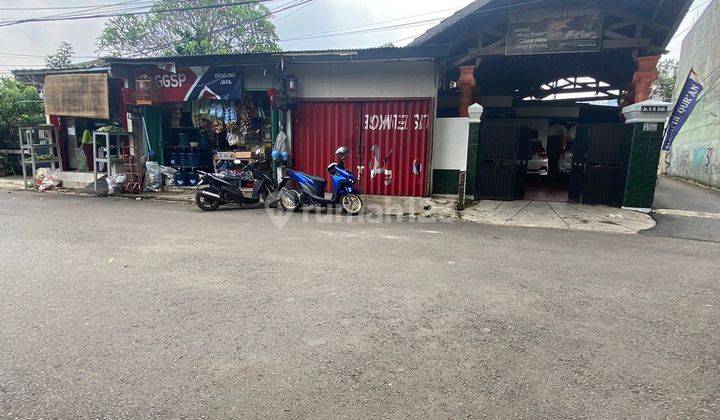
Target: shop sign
column 397, row 122
column 555, row 30
column 193, row 83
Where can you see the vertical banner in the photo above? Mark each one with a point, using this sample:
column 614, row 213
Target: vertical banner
column 686, row 103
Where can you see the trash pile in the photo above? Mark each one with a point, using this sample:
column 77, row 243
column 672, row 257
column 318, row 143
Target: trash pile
column 47, row 179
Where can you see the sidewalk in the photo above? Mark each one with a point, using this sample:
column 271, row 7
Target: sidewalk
column 507, row 213
column 567, row 216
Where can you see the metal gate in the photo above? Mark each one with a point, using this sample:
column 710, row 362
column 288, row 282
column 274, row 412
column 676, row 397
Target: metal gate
column 390, row 140
column 600, row 154
column 503, row 150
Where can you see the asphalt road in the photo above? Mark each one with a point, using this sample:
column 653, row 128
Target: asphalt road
column 674, row 194
column 120, row 308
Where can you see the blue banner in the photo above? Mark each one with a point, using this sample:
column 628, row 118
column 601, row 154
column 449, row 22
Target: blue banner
column 686, row 103
column 218, row 83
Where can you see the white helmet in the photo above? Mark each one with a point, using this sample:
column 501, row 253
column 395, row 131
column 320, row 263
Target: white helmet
column 342, row 152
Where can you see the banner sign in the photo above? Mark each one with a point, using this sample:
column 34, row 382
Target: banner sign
column 555, row 30
column 685, row 105
column 193, row 83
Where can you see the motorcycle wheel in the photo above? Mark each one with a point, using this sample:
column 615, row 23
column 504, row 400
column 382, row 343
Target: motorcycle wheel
column 290, row 200
column 206, row 203
column 351, row 204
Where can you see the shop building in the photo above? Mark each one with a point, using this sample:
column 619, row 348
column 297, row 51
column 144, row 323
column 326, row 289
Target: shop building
column 194, row 112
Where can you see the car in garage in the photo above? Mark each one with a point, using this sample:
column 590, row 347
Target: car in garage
column 538, row 162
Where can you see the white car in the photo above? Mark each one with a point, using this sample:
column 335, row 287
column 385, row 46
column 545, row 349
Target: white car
column 538, row 162
column 566, row 159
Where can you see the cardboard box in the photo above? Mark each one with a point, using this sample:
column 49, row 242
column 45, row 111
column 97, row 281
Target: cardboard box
column 243, row 155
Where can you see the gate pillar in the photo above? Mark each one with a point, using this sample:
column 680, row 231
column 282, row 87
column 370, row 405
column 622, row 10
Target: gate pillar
column 468, row 177
column 648, row 121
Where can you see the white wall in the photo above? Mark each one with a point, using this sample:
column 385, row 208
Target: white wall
column 400, row 79
column 255, row 78
column 450, row 144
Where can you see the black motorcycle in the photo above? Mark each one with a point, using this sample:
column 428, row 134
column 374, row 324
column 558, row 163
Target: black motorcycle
column 215, row 190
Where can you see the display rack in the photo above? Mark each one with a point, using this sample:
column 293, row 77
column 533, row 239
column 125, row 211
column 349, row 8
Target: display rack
column 107, row 148
column 39, row 145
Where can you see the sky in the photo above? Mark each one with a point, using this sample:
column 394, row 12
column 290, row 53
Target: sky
column 23, row 46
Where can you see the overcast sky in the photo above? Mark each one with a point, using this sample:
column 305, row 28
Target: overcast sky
column 38, row 39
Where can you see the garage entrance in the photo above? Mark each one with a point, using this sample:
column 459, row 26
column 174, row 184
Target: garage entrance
column 585, row 165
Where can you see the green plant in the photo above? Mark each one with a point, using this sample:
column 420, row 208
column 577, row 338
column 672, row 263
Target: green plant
column 62, row 58
column 236, row 28
column 86, row 138
column 19, row 105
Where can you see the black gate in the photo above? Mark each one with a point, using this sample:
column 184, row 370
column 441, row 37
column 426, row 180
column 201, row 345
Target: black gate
column 502, row 161
column 600, row 154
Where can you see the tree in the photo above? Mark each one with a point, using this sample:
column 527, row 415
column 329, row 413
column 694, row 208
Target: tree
column 664, row 87
column 238, row 28
column 19, row 105
column 62, row 58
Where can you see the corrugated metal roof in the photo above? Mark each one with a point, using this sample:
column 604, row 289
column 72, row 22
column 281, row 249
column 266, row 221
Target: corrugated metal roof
column 72, row 70
column 382, row 53
column 301, row 56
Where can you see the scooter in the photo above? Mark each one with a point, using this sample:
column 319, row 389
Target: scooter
column 312, row 189
column 216, row 190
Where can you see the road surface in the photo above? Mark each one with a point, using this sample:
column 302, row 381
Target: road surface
column 123, row 308
column 686, row 211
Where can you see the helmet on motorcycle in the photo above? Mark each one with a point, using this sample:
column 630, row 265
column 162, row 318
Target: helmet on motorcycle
column 342, row 153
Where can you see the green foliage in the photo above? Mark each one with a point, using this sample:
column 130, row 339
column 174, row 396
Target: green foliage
column 665, row 86
column 86, row 138
column 62, row 58
column 19, row 105
column 194, row 32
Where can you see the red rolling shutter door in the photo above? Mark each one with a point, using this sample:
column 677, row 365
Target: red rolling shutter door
column 390, row 139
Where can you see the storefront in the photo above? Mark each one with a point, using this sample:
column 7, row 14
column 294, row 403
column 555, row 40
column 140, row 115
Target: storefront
column 200, row 118
column 201, row 111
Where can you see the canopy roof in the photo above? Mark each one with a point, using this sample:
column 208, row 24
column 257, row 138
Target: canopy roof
column 478, row 34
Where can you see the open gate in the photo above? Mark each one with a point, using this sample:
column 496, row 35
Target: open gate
column 600, row 154
column 503, row 150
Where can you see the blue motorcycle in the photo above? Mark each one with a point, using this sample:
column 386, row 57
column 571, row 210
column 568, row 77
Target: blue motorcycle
column 312, row 189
